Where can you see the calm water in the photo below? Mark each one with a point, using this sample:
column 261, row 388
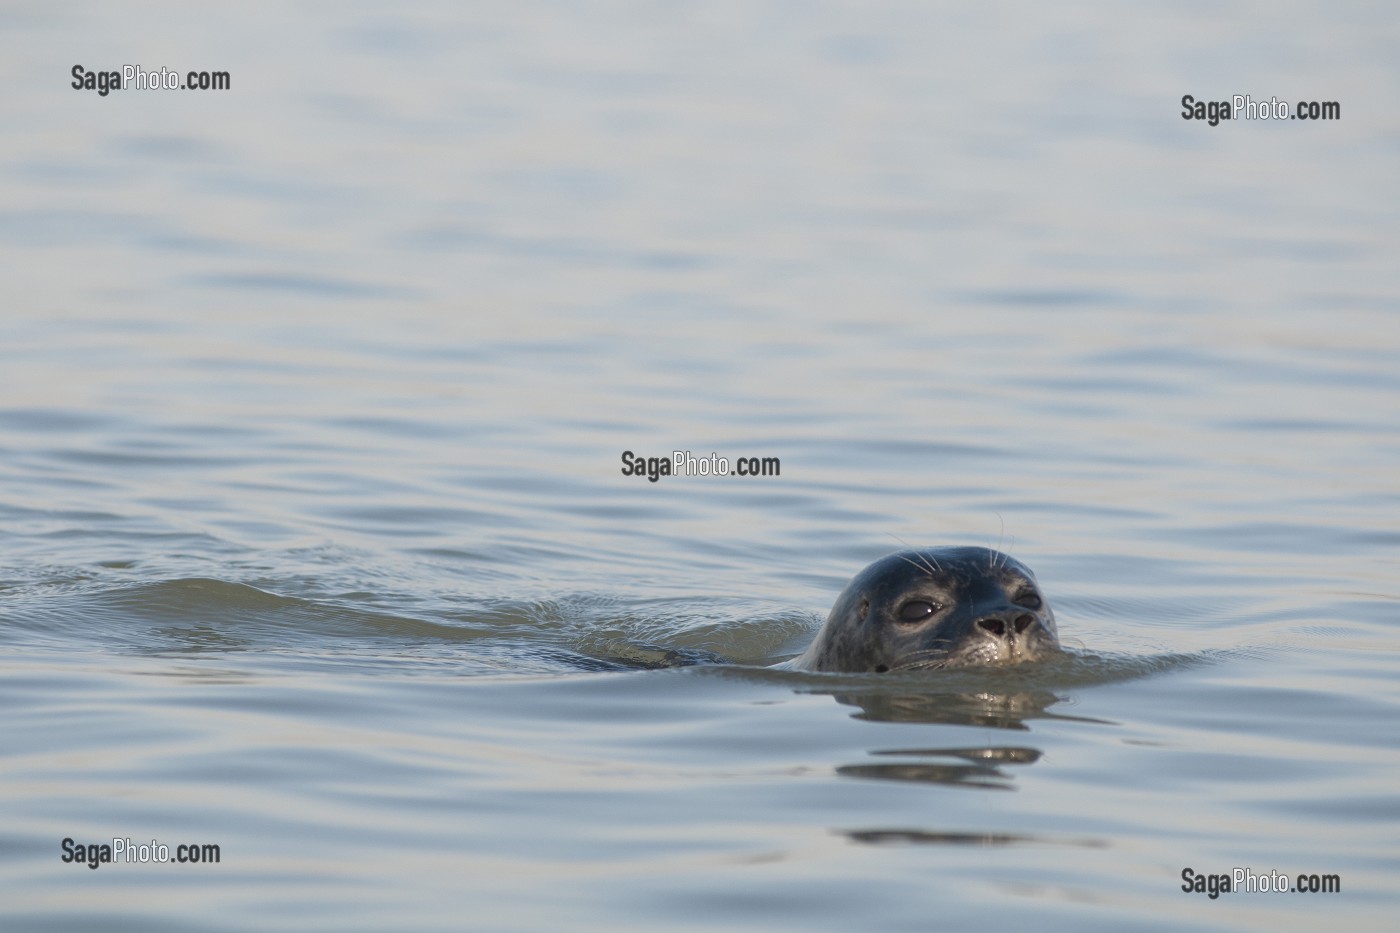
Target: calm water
column 315, row 544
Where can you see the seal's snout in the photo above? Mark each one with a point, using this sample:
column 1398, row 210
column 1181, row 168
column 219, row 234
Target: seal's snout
column 1008, row 635
column 1007, row 625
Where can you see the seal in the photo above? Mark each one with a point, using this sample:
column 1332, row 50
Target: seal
column 934, row 608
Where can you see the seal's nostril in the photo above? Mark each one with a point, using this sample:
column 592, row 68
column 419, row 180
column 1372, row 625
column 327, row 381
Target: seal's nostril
column 995, row 626
column 1023, row 623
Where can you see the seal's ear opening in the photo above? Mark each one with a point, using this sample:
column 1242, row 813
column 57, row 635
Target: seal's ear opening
column 863, row 609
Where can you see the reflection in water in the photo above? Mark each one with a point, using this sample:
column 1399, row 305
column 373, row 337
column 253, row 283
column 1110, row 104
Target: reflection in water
column 993, row 710
column 880, row 837
column 991, row 697
column 963, row 766
column 968, row 767
column 982, row 767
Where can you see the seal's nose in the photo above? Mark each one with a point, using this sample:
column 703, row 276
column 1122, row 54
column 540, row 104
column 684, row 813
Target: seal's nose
column 1006, row 625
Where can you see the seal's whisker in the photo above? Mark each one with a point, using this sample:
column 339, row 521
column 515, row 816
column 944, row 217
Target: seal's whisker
column 924, row 568
column 900, row 540
column 928, row 564
column 923, row 659
column 1001, row 557
column 931, row 661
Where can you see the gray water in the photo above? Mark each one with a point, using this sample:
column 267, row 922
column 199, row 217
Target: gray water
column 315, row 543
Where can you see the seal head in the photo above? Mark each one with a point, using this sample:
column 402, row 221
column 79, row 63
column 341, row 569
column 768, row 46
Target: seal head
column 935, row 608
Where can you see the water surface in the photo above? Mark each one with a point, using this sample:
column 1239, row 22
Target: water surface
column 315, row 544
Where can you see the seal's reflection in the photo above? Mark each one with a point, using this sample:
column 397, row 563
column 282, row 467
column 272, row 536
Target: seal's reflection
column 987, row 767
column 885, row 837
column 989, row 710
column 968, row 767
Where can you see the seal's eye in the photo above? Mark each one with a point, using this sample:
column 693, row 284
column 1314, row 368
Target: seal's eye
column 916, row 611
column 1029, row 599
